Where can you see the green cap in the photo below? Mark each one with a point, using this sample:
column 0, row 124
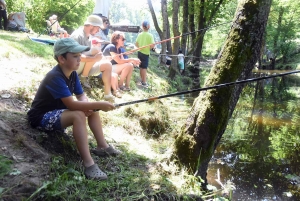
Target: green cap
column 65, row 45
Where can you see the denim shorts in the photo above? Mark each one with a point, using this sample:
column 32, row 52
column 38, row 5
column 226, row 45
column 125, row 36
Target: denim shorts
column 51, row 121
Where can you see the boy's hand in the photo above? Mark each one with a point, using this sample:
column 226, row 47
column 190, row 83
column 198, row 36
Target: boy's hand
column 106, row 106
column 88, row 113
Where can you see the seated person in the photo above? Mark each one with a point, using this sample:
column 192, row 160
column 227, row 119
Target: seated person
column 121, row 66
column 95, row 49
column 103, row 66
column 54, row 108
column 56, row 28
column 101, row 35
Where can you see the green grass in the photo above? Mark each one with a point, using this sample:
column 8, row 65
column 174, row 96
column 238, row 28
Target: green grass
column 5, row 166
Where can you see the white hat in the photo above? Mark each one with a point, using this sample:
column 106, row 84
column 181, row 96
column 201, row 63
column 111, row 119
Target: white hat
column 94, row 20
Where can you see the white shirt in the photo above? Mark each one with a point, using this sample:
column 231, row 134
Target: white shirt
column 102, row 6
column 180, row 58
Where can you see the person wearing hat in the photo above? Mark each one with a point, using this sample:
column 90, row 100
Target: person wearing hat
column 144, row 39
column 54, row 109
column 101, row 9
column 56, row 28
column 99, row 64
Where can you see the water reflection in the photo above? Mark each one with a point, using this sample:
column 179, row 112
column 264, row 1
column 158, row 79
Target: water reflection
column 260, row 150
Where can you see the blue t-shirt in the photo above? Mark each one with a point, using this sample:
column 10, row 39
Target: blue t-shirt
column 48, row 97
column 111, row 48
column 125, row 56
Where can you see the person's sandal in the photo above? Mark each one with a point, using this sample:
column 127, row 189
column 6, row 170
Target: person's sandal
column 117, row 94
column 109, row 151
column 124, row 88
column 94, row 172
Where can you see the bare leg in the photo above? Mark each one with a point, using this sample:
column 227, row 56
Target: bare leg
column 78, row 120
column 87, row 67
column 106, row 69
column 143, row 73
column 114, row 81
column 95, row 124
column 125, row 71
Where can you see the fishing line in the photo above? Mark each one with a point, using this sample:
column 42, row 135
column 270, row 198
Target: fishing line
column 204, row 89
column 172, row 38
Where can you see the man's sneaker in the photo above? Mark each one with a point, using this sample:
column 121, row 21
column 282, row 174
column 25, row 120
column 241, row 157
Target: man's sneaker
column 109, row 98
column 85, row 82
column 144, row 84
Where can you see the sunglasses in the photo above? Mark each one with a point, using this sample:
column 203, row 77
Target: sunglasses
column 123, row 39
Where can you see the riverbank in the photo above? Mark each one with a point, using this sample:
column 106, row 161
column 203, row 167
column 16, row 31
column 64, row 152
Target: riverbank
column 143, row 132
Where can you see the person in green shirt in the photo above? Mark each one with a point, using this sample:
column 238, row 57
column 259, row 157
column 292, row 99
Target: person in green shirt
column 144, row 38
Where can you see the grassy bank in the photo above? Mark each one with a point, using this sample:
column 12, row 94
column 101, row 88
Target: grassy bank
column 144, row 132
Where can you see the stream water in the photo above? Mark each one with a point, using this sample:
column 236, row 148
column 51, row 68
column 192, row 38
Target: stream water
column 259, row 153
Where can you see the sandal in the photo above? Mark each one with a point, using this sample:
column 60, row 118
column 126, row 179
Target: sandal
column 94, row 172
column 117, row 94
column 124, row 88
column 109, row 151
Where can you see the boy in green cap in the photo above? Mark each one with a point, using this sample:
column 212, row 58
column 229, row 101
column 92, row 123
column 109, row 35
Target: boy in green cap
column 54, row 108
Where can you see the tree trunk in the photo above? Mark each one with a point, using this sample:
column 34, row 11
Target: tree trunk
column 164, row 13
column 185, row 27
column 278, row 32
column 174, row 65
column 157, row 28
column 192, row 22
column 211, row 111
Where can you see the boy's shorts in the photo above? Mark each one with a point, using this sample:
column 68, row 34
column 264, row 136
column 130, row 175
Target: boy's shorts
column 144, row 60
column 51, row 121
column 181, row 65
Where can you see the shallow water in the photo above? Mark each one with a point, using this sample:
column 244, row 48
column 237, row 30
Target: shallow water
column 259, row 153
column 260, row 149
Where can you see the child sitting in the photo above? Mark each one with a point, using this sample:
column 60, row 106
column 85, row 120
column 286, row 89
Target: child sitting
column 54, row 108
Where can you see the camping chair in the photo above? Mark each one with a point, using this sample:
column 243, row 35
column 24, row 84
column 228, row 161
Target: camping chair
column 19, row 19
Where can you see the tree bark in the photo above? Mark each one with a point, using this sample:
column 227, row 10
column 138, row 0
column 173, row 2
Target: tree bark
column 174, row 65
column 164, row 12
column 154, row 18
column 211, row 111
column 185, row 27
column 192, row 21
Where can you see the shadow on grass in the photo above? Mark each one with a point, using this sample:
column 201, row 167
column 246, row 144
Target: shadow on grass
column 130, row 177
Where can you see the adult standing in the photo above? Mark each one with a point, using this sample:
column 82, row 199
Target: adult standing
column 144, row 39
column 3, row 14
column 82, row 35
column 102, row 10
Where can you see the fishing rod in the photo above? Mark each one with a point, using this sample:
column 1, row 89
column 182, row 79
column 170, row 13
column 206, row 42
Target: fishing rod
column 174, row 55
column 172, row 38
column 204, row 89
column 58, row 18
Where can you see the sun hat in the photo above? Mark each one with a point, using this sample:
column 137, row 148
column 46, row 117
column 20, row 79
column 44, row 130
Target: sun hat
column 65, row 45
column 94, row 20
